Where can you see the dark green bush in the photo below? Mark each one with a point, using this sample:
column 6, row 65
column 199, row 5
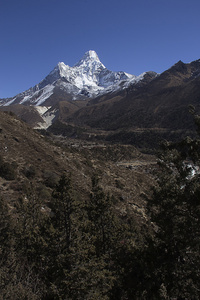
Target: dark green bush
column 7, row 170
column 30, row 172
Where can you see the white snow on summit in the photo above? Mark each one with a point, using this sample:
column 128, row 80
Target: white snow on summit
column 89, row 57
column 87, row 78
column 84, row 73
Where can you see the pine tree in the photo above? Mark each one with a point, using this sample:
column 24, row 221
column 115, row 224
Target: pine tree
column 105, row 232
column 175, row 211
column 63, row 206
column 66, row 245
column 7, row 257
column 80, row 244
column 30, row 222
column 30, row 245
column 101, row 218
column 19, row 275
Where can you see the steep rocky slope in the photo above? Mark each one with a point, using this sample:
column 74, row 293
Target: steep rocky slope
column 160, row 103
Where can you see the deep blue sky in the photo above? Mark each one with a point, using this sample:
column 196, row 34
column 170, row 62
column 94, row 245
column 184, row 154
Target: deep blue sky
column 128, row 35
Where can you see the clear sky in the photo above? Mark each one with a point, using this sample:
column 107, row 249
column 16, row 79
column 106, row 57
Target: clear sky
column 128, row 35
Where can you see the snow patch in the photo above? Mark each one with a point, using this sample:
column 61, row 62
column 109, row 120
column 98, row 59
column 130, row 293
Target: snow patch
column 47, row 117
column 47, row 92
column 42, row 109
column 10, row 102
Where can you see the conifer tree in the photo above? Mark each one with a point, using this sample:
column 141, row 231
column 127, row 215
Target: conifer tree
column 7, row 258
column 30, row 222
column 80, row 242
column 175, row 211
column 103, row 222
column 30, row 245
column 105, row 231
column 19, row 265
column 65, row 242
column 63, row 206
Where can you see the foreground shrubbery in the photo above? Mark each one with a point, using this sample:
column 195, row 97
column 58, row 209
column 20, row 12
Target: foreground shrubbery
column 77, row 249
column 7, row 170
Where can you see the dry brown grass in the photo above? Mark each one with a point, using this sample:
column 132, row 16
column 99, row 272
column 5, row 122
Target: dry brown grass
column 41, row 161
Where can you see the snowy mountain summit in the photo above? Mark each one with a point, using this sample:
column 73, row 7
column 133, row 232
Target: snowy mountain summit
column 90, row 57
column 86, row 79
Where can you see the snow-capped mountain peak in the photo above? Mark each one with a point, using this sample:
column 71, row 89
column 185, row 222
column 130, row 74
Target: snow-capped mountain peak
column 83, row 73
column 90, row 57
column 86, row 79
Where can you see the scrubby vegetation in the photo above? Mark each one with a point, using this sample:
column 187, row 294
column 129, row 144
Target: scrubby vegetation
column 74, row 249
column 7, row 170
column 77, row 248
column 65, row 239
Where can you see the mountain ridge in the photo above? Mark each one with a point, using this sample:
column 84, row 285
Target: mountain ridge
column 86, row 79
column 156, row 103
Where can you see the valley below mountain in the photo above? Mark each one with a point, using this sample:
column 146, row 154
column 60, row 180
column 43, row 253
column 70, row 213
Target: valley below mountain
column 33, row 157
column 88, row 99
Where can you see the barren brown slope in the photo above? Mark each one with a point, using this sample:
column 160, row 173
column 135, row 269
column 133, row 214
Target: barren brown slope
column 28, row 114
column 38, row 162
column 67, row 108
